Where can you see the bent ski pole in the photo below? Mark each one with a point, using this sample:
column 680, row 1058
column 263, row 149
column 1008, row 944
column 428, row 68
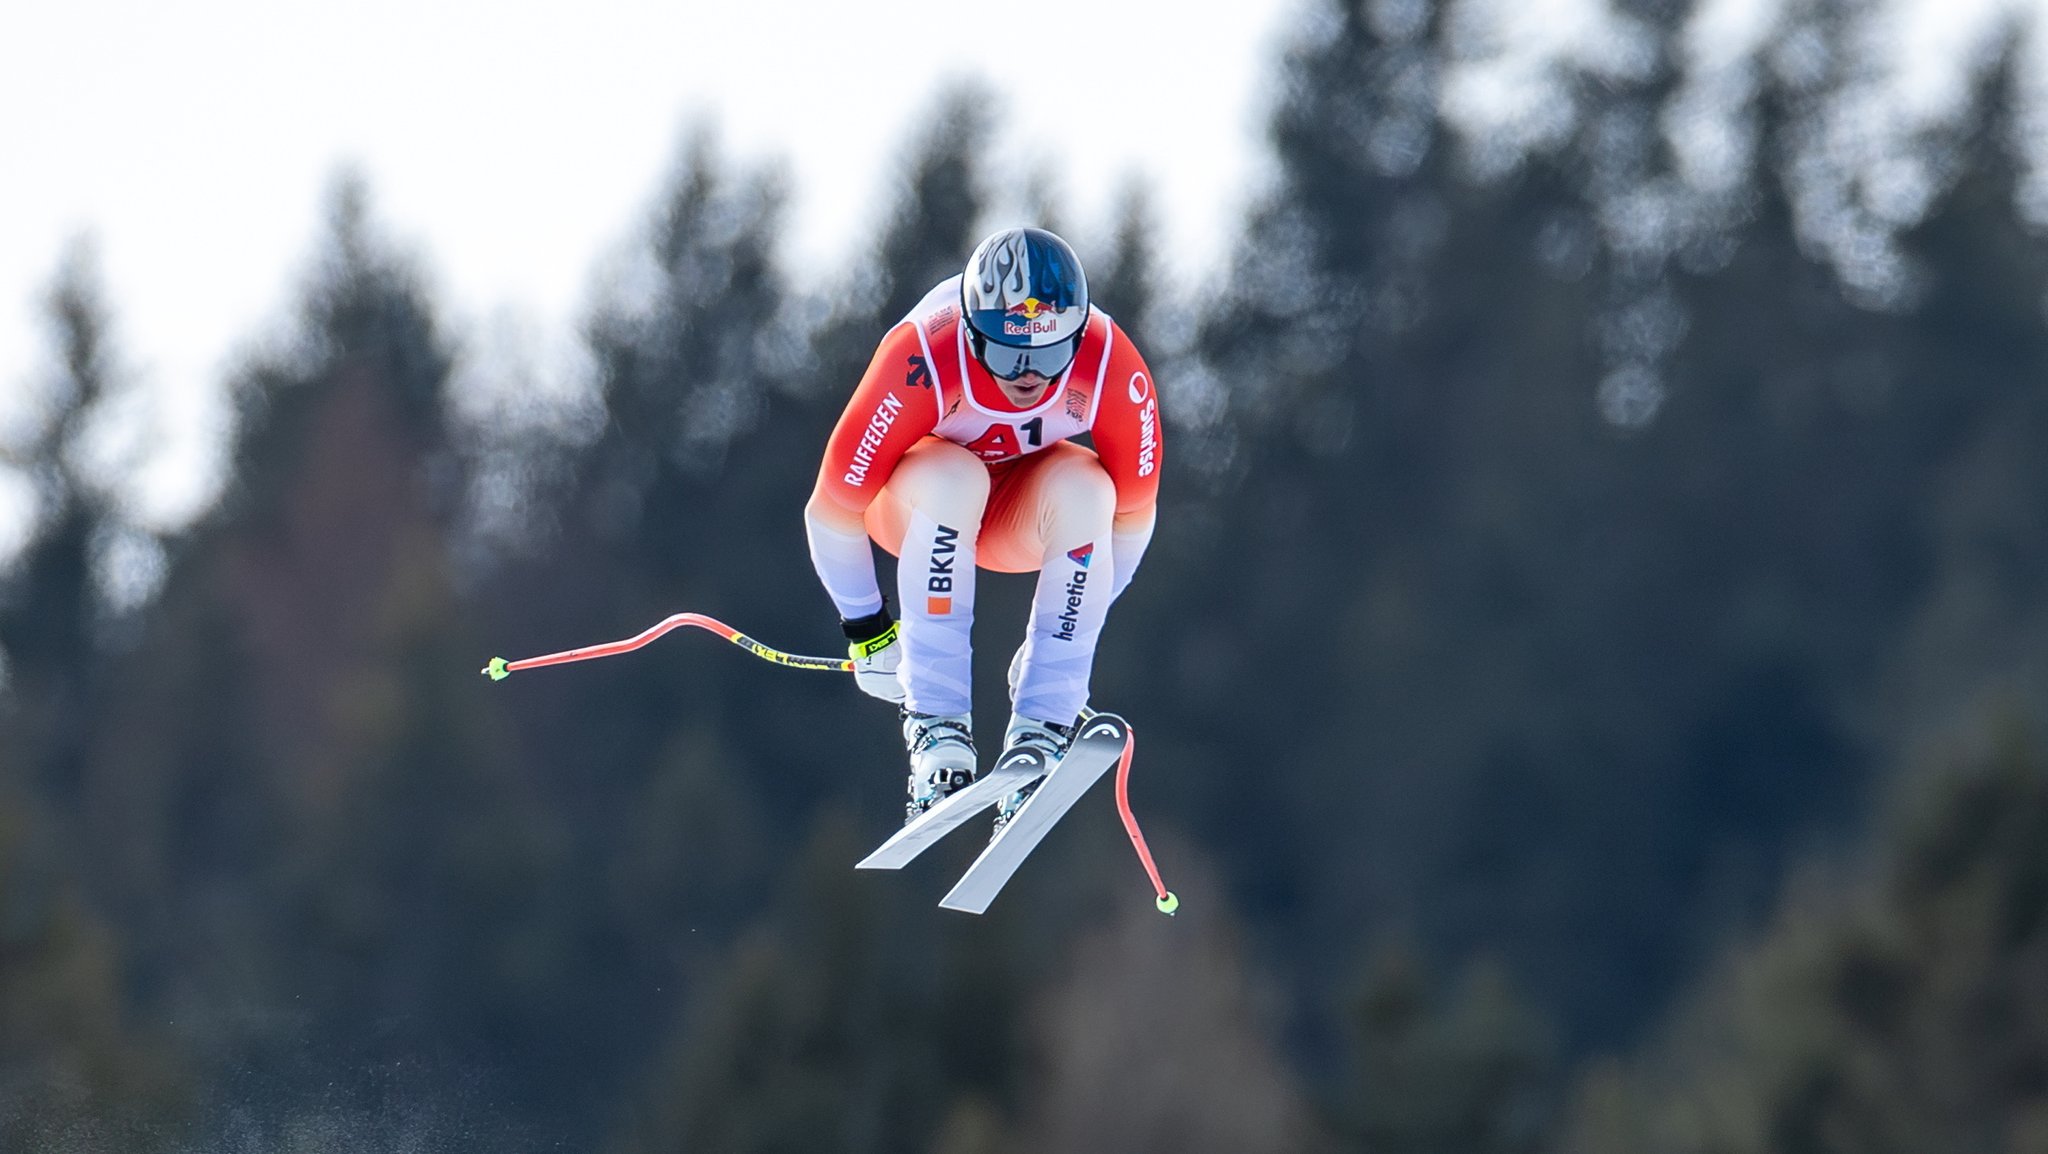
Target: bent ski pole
column 1167, row 902
column 499, row 668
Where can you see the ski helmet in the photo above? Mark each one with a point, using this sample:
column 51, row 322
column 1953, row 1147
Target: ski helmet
column 1026, row 303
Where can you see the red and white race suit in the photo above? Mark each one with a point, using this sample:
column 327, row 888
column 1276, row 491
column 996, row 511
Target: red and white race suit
column 931, row 461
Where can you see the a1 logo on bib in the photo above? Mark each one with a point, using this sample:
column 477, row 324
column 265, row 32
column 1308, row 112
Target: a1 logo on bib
column 998, row 444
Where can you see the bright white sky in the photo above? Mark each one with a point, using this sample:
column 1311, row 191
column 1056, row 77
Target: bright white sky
column 516, row 142
column 519, row 142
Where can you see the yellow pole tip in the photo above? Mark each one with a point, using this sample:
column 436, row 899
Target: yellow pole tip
column 496, row 670
column 1168, row 904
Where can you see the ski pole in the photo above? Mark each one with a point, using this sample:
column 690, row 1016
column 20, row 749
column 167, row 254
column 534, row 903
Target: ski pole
column 1167, row 902
column 499, row 668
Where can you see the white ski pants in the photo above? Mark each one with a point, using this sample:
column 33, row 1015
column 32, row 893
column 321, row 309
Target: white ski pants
column 944, row 513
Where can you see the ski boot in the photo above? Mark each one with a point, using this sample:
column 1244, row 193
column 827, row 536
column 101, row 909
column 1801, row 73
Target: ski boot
column 1048, row 742
column 942, row 759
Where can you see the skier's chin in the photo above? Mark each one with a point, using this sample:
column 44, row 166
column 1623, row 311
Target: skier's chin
column 1027, row 388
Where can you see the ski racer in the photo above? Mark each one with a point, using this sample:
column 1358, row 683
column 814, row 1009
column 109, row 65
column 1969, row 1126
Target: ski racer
column 957, row 452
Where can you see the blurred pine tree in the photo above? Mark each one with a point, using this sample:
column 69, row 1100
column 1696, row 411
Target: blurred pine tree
column 310, row 832
column 1904, row 1013
column 75, row 1071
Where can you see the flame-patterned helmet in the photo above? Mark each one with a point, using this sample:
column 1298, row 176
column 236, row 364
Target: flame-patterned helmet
column 1026, row 303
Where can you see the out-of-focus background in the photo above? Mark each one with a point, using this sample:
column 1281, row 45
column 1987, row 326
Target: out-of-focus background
column 1591, row 672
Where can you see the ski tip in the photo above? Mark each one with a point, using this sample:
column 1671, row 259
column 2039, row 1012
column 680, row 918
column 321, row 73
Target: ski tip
column 1168, row 904
column 497, row 670
column 1103, row 725
column 1024, row 760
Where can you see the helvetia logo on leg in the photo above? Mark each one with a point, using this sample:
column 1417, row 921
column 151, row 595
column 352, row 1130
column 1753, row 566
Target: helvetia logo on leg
column 1077, row 587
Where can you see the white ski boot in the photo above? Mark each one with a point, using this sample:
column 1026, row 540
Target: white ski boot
column 942, row 758
column 1026, row 737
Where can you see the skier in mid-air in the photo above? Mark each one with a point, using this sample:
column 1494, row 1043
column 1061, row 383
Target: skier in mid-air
column 956, row 451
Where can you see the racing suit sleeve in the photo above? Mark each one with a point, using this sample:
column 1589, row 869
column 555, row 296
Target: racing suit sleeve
column 1127, row 438
column 894, row 406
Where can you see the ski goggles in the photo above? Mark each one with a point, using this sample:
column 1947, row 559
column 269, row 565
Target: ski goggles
column 1007, row 362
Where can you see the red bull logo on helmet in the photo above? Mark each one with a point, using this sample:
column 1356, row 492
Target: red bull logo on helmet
column 1029, row 328
column 1031, row 318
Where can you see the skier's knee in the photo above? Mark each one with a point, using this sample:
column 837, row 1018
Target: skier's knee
column 941, row 477
column 1082, row 490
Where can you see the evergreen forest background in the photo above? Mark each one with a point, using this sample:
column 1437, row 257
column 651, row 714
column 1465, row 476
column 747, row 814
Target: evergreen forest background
column 1591, row 671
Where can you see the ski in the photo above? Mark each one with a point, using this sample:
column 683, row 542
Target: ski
column 921, row 834
column 1099, row 744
